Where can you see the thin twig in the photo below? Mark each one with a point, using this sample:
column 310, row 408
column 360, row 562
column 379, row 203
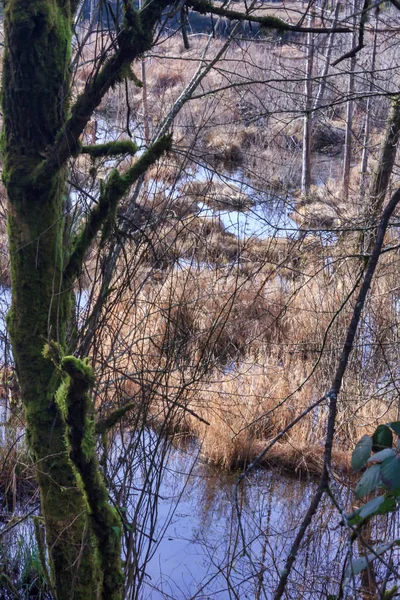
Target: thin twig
column 336, row 386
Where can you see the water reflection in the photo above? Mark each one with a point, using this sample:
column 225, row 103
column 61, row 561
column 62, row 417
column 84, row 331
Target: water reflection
column 200, row 553
column 184, row 541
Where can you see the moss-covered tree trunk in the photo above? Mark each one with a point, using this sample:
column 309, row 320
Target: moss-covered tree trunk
column 40, row 133
column 35, row 104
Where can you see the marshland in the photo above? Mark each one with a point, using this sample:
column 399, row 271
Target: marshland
column 222, row 305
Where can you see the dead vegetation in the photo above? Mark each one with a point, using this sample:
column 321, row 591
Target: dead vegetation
column 232, row 358
column 238, row 329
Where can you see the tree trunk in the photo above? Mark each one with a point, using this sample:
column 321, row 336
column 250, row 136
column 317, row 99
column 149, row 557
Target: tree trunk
column 381, row 178
column 92, row 9
column 367, row 127
column 349, row 113
column 35, row 105
column 327, row 61
column 307, row 129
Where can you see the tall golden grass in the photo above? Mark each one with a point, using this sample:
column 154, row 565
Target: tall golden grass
column 225, row 337
column 232, row 358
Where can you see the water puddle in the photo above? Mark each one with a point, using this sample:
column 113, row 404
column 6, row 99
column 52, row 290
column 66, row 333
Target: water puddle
column 199, row 549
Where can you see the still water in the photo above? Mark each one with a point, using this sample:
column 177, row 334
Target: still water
column 184, row 540
column 200, row 551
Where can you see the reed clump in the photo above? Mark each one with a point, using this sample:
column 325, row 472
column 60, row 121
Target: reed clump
column 232, row 359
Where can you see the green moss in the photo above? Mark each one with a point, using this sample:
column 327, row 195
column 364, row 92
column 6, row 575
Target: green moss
column 392, row 593
column 114, row 418
column 148, row 158
column 53, row 352
column 111, row 149
column 105, row 522
column 78, row 369
column 88, row 439
column 61, row 397
column 128, row 73
column 36, row 78
column 206, row 7
column 42, row 552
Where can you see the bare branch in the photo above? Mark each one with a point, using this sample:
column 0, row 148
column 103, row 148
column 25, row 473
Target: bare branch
column 336, row 386
column 354, row 51
column 115, row 417
column 269, row 22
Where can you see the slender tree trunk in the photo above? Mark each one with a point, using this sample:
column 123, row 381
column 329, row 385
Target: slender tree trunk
column 349, row 113
column 92, row 9
column 327, row 61
column 308, row 121
column 146, row 124
column 367, row 127
column 381, row 178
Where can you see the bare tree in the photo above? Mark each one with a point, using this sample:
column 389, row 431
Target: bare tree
column 308, row 122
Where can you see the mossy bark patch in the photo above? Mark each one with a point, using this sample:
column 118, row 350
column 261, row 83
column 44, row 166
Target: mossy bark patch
column 35, row 105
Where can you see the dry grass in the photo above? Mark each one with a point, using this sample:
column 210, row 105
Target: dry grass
column 324, row 208
column 217, row 195
column 242, row 332
column 247, row 355
column 17, row 479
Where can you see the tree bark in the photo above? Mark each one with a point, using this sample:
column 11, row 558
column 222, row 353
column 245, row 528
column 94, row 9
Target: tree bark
column 367, row 127
column 349, row 113
column 381, row 178
column 308, row 120
column 327, row 58
column 35, row 84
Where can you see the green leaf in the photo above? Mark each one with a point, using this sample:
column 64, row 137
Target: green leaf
column 369, row 481
column 379, row 457
column 359, row 564
column 371, row 507
column 390, row 472
column 382, row 438
column 395, row 425
column 381, row 505
column 353, row 518
column 361, row 452
column 388, row 506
